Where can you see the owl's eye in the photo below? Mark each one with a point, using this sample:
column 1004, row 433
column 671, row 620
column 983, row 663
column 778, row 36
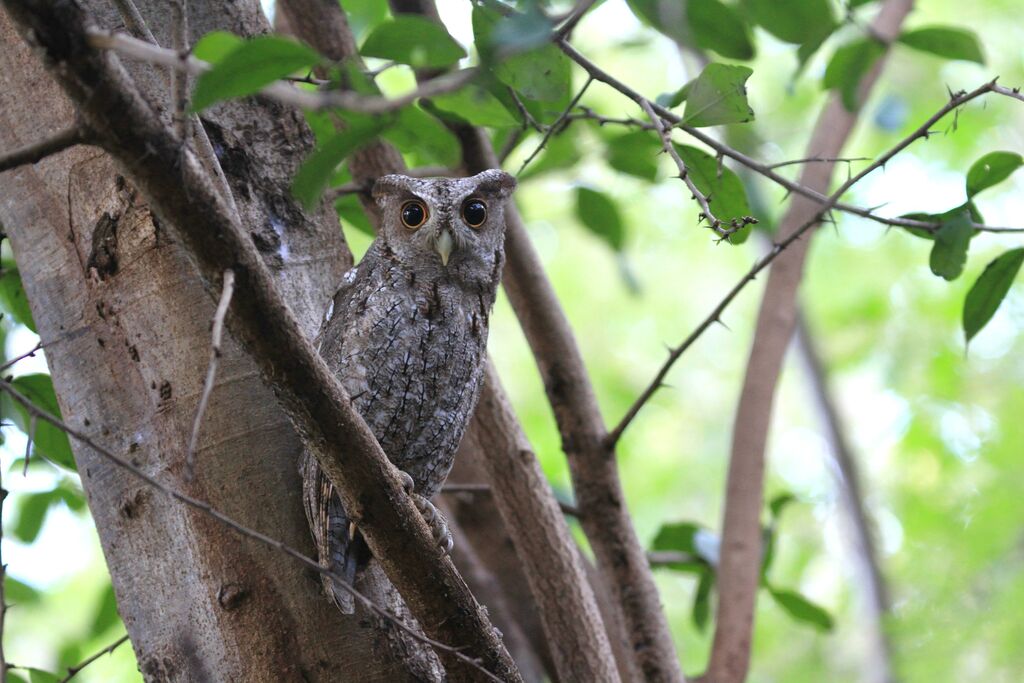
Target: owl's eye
column 414, row 214
column 474, row 212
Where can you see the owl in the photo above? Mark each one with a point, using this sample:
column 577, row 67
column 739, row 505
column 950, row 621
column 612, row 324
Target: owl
column 406, row 336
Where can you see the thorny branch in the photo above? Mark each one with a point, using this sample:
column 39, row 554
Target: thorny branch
column 109, row 649
column 204, row 507
column 555, row 127
column 30, row 154
column 227, row 290
column 958, row 100
column 684, row 174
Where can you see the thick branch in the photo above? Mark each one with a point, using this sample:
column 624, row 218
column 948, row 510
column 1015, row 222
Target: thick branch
column 38, row 151
column 180, row 192
column 739, row 570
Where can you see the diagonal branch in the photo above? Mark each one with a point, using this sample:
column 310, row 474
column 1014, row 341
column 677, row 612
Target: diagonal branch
column 178, row 190
column 34, row 153
column 109, row 649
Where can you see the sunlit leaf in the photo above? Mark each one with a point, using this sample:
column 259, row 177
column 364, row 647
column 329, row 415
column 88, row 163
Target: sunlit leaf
column 802, row 609
column 952, row 240
column 19, row 593
column 989, row 290
column 794, row 21
column 779, row 503
column 31, row 515
column 727, row 197
column 316, row 171
column 543, row 73
column 40, row 676
column 718, row 95
column 13, row 301
column 635, row 153
column 991, row 169
column 413, row 40
column 848, row 66
column 216, row 45
column 599, row 214
column 48, row 440
column 702, row 600
column 476, row 105
column 717, row 26
column 105, row 613
column 417, row 132
column 945, row 41
column 251, row 66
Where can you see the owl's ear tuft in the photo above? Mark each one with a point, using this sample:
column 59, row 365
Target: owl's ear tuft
column 495, row 183
column 390, row 184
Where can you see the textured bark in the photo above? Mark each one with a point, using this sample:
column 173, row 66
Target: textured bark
column 741, row 525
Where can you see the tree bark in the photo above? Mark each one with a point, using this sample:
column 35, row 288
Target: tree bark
column 126, row 324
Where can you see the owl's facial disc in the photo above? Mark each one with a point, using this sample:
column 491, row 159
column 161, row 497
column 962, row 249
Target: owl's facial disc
column 443, row 245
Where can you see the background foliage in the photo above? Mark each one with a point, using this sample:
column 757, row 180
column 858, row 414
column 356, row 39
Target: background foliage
column 936, row 428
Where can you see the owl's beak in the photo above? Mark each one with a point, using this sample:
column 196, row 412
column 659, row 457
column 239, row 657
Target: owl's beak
column 443, row 244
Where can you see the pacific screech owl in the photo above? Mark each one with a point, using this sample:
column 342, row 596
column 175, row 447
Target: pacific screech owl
column 407, row 339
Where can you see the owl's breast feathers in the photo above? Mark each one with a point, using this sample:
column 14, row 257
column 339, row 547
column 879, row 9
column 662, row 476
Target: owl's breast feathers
column 410, row 355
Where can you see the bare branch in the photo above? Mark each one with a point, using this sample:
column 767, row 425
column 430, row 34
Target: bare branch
column 227, row 290
column 28, row 354
column 36, row 152
column 958, row 100
column 555, row 127
column 109, row 649
column 204, row 507
column 179, row 76
column 573, row 18
column 283, row 91
column 134, row 21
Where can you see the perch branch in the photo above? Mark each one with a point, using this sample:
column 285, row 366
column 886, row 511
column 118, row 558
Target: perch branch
column 109, row 649
column 178, row 190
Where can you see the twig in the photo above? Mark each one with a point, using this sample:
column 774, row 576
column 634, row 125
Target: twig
column 134, row 21
column 28, row 354
column 456, row 489
column 37, row 151
column 684, row 174
column 555, row 127
column 30, row 436
column 179, row 76
column 283, row 91
column 813, row 160
column 109, row 649
column 227, row 290
column 205, row 507
column 958, row 100
column 573, row 18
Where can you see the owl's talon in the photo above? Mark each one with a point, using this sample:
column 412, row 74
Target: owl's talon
column 407, row 482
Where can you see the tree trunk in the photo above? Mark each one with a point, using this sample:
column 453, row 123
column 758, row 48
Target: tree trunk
column 126, row 323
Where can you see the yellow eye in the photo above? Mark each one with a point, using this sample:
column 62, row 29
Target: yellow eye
column 474, row 212
column 414, row 214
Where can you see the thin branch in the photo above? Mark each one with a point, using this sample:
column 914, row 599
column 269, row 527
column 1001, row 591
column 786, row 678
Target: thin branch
column 664, row 558
column 238, row 527
column 555, row 127
column 762, row 169
column 282, row 91
column 684, row 174
column 227, row 290
column 573, row 18
column 31, row 353
column 817, row 160
column 134, row 21
column 958, row 100
column 37, row 151
column 30, row 436
column 179, row 76
column 109, row 649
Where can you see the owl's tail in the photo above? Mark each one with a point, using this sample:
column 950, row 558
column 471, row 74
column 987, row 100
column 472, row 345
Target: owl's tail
column 347, row 553
column 339, row 545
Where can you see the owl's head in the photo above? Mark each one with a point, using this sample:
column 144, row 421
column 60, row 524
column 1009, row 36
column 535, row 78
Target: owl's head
column 445, row 226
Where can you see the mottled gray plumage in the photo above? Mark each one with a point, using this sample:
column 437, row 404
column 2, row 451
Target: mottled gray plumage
column 407, row 338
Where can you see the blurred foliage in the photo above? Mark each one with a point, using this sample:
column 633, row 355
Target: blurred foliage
column 936, row 430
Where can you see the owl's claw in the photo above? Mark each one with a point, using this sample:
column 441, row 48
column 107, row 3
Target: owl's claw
column 431, row 515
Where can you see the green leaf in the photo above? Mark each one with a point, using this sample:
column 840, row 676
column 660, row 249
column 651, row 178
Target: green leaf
column 635, row 153
column 949, row 252
column 19, row 593
column 316, row 171
column 476, row 105
column 848, row 66
column 13, row 300
column 674, row 99
column 412, row 40
column 31, row 515
column 40, row 676
column 417, row 132
column 728, row 199
column 702, row 600
column 48, row 440
column 351, row 211
column 363, row 14
column 989, row 290
column 991, row 169
column 944, row 41
column 543, row 74
column 779, row 503
column 251, row 66
column 802, row 609
column 677, row 536
column 105, row 614
column 561, row 151
column 718, row 96
column 599, row 214
column 216, row 45
column 793, row 21
column 717, row 26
